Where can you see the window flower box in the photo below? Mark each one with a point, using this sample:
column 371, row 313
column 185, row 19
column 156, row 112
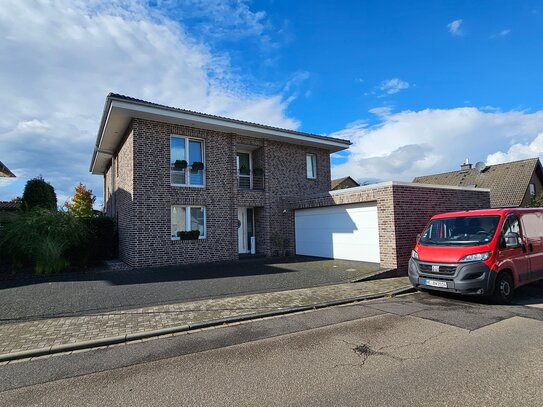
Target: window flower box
column 189, row 235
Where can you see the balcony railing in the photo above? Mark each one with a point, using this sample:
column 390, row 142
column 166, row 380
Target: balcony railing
column 247, row 180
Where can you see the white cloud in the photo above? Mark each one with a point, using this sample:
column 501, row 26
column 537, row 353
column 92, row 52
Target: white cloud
column 410, row 143
column 60, row 58
column 504, row 33
column 392, row 86
column 518, row 151
column 455, row 27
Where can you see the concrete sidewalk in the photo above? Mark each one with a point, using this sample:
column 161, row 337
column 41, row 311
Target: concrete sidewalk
column 48, row 336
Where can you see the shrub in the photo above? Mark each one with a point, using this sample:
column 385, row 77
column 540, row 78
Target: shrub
column 39, row 194
column 42, row 238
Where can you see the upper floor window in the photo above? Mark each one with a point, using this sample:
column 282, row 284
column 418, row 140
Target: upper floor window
column 311, row 164
column 186, row 161
column 532, row 189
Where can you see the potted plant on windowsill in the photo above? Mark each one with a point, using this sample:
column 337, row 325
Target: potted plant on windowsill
column 180, row 164
column 189, row 235
column 197, row 166
column 243, row 170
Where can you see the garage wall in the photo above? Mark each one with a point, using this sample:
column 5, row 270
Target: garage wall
column 403, row 211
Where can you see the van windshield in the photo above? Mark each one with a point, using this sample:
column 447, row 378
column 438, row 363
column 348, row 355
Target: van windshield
column 460, row 231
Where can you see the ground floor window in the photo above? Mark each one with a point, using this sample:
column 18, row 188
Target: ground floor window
column 187, row 219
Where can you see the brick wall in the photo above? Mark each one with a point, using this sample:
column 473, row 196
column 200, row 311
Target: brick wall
column 118, row 194
column 144, row 195
column 403, row 210
column 415, row 205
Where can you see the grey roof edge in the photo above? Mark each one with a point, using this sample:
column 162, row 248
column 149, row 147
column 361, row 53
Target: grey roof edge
column 363, row 188
column 123, row 98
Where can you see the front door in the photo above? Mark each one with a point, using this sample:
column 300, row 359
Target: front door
column 242, row 231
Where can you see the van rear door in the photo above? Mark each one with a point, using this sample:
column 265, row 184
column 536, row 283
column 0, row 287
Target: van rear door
column 532, row 225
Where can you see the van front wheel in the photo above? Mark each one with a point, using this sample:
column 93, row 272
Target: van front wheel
column 504, row 289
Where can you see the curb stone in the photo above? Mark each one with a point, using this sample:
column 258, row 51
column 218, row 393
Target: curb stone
column 96, row 343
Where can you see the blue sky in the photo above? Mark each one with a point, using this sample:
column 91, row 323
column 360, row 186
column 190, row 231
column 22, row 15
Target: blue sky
column 416, row 86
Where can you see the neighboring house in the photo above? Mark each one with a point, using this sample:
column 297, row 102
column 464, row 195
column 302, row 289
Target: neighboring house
column 5, row 172
column 511, row 184
column 169, row 170
column 343, row 183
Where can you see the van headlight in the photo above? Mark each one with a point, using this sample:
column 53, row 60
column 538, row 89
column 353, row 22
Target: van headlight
column 414, row 255
column 476, row 257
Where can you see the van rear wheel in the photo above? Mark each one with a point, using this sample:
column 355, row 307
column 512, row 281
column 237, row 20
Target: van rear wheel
column 504, row 289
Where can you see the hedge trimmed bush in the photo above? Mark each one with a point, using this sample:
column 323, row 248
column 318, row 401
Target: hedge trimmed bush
column 39, row 194
column 100, row 242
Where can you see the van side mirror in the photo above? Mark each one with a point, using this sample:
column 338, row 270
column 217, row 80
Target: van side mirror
column 512, row 240
column 418, row 237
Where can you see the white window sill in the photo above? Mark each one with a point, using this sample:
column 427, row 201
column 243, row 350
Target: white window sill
column 187, row 185
column 178, row 238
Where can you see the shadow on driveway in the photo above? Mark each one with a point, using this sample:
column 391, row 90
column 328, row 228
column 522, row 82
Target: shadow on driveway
column 100, row 291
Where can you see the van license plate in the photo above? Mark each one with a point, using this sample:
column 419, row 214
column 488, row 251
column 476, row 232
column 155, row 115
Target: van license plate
column 434, row 283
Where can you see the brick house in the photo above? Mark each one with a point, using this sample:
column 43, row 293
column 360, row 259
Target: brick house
column 511, row 184
column 344, row 183
column 168, row 171
column 5, row 172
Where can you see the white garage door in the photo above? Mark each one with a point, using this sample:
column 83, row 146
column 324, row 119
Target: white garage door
column 348, row 232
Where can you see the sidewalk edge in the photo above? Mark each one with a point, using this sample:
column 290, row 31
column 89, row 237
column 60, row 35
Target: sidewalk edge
column 69, row 347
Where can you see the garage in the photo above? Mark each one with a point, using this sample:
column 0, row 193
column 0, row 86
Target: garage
column 348, row 232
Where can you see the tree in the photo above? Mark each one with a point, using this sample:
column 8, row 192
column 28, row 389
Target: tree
column 82, row 201
column 536, row 201
column 39, row 193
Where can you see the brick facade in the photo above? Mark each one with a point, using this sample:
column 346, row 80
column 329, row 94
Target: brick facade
column 138, row 193
column 403, row 210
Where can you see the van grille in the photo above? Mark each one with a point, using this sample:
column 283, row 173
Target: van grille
column 446, row 270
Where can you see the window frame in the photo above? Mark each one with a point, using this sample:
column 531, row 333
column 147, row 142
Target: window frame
column 187, row 159
column 187, row 220
column 313, row 161
column 531, row 186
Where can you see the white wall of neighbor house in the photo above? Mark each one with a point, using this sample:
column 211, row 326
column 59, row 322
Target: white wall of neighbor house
column 348, row 232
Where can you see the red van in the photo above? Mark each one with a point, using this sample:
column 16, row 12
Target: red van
column 483, row 252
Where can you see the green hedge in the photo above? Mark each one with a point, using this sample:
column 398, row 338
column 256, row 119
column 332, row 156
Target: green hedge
column 100, row 242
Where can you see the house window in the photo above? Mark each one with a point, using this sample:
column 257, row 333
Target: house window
column 186, row 161
column 532, row 189
column 187, row 218
column 311, row 163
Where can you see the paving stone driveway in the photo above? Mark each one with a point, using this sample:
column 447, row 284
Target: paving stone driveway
column 46, row 333
column 91, row 292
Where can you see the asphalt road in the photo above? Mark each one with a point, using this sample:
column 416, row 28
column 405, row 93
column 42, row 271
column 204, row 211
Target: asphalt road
column 81, row 293
column 417, row 349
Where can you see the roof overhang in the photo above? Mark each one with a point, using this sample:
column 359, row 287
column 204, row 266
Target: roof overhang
column 118, row 113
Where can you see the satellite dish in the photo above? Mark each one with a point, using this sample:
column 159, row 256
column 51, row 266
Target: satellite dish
column 480, row 166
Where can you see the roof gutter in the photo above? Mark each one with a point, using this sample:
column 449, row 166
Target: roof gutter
column 99, row 136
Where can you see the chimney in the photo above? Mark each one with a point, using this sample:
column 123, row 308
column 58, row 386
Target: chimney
column 466, row 165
